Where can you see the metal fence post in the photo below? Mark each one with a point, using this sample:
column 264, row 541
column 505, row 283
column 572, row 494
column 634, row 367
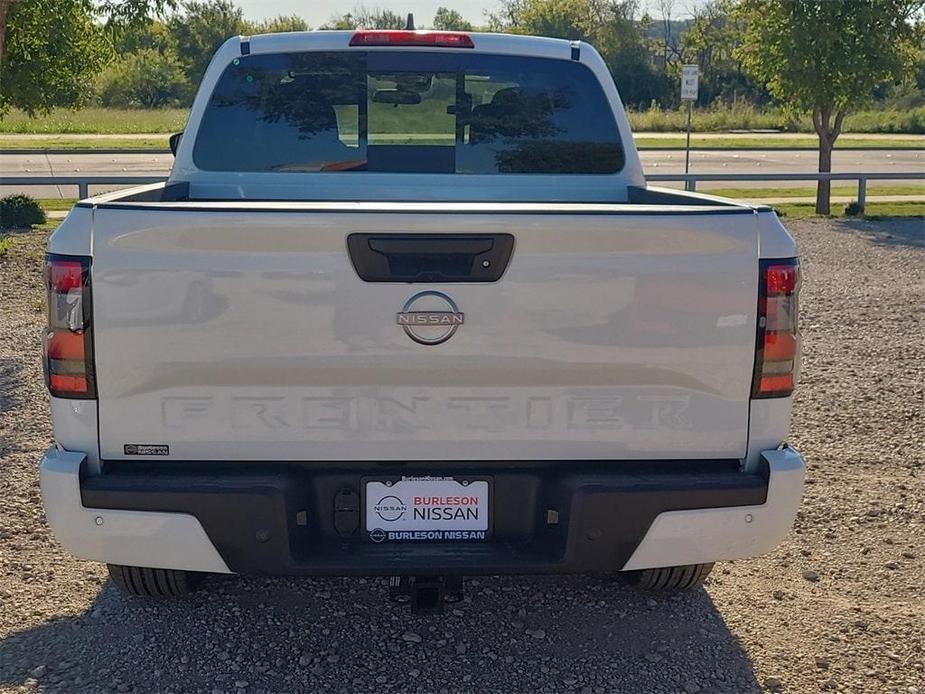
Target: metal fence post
column 862, row 192
column 83, row 190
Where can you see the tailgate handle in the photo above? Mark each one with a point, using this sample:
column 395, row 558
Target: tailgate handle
column 430, row 257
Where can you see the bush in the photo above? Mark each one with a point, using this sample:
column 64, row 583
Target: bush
column 853, row 209
column 20, row 212
column 147, row 78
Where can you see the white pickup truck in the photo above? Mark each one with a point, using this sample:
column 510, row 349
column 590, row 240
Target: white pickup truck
column 406, row 307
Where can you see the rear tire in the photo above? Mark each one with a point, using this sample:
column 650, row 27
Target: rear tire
column 669, row 577
column 143, row 582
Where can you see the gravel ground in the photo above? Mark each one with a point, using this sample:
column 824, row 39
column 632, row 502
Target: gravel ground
column 839, row 606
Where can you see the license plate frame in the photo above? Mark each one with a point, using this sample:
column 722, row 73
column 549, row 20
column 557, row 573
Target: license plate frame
column 461, row 529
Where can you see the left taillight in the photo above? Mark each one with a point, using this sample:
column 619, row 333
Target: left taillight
column 777, row 349
column 69, row 338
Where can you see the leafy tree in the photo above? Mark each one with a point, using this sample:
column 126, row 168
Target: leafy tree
column 710, row 41
column 567, row 19
column 344, row 22
column 201, row 29
column 450, row 20
column 364, row 18
column 6, row 7
column 133, row 12
column 378, row 18
column 278, row 25
column 51, row 50
column 146, row 78
column 606, row 24
column 153, row 34
column 827, row 57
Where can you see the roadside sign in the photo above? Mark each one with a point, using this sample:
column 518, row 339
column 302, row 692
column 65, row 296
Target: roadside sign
column 690, row 78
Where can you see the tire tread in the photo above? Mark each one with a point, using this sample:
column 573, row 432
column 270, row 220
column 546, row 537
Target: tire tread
column 147, row 582
column 669, row 577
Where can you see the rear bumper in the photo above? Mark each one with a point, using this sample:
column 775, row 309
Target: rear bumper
column 281, row 519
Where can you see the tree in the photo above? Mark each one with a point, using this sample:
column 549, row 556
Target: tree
column 145, row 78
column 51, row 50
column 6, row 6
column 450, row 20
column 606, row 24
column 710, row 41
column 134, row 12
column 827, row 57
column 202, row 28
column 364, row 18
column 150, row 34
column 278, row 25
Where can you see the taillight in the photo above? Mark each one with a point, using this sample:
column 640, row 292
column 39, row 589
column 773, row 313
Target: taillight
column 68, row 340
column 437, row 39
column 778, row 345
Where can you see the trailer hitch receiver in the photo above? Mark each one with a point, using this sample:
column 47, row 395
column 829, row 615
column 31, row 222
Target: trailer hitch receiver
column 425, row 594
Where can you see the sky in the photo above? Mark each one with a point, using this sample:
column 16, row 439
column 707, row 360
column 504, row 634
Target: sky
column 317, row 12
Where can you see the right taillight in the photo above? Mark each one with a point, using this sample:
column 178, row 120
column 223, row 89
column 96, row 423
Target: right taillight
column 68, row 340
column 778, row 344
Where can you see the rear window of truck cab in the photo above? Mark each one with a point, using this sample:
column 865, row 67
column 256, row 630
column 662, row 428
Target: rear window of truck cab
column 408, row 112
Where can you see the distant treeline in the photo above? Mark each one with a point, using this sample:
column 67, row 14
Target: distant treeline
column 159, row 62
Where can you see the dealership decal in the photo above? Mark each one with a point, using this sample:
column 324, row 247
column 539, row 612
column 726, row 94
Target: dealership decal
column 431, row 508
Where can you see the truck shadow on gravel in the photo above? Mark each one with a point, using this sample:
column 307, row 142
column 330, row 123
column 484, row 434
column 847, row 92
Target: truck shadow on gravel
column 543, row 634
column 894, row 231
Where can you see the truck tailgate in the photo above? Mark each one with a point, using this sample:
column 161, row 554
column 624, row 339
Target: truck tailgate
column 245, row 333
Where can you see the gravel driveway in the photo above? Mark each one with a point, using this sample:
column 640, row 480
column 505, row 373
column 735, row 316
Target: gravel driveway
column 839, row 606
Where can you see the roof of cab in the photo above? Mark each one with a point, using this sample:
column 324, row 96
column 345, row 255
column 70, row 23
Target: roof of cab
column 538, row 46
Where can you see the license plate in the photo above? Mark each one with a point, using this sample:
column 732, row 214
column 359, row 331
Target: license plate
column 429, row 509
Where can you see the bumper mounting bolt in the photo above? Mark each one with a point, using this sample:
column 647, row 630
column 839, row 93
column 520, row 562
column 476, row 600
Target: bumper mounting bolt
column 98, row 520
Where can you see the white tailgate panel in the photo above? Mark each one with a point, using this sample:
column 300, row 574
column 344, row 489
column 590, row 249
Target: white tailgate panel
column 249, row 336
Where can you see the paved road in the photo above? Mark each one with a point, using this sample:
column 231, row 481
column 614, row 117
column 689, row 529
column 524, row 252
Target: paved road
column 739, row 161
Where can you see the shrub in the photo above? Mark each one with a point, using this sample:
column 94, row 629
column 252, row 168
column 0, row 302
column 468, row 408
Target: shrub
column 20, row 212
column 853, row 209
column 147, row 78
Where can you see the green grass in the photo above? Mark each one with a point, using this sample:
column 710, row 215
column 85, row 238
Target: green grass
column 155, row 142
column 6, row 243
column 769, row 140
column 875, row 210
column 722, row 118
column 102, row 121
column 56, row 204
column 872, row 189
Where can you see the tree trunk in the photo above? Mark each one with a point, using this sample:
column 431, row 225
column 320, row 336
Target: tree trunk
column 5, row 7
column 824, row 188
column 827, row 136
